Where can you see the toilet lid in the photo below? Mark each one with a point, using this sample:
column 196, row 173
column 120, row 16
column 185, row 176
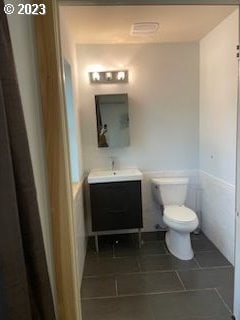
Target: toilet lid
column 180, row 213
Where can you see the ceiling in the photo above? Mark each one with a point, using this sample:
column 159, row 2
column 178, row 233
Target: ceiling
column 112, row 24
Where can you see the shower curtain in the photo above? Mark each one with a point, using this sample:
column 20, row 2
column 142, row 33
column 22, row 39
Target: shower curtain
column 25, row 291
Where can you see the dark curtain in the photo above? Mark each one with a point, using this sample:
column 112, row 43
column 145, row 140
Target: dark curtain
column 25, row 291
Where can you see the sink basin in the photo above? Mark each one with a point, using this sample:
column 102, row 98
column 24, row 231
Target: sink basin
column 102, row 176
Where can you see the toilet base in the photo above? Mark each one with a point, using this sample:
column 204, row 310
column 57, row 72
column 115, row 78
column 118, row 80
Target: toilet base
column 179, row 244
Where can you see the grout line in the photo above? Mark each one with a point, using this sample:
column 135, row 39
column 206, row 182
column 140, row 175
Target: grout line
column 153, row 271
column 180, row 279
column 218, row 267
column 131, row 273
column 152, row 255
column 150, row 293
column 198, row 264
column 143, row 255
column 221, row 298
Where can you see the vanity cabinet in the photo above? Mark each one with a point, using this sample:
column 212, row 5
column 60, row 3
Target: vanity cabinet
column 116, row 205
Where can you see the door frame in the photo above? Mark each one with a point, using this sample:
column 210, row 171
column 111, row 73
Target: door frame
column 57, row 155
column 67, row 300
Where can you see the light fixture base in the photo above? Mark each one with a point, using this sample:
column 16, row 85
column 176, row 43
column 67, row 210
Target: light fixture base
column 109, row 77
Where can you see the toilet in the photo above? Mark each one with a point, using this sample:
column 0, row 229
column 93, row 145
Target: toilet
column 181, row 221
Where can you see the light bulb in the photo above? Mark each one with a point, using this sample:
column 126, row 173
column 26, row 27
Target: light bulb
column 96, row 76
column 121, row 75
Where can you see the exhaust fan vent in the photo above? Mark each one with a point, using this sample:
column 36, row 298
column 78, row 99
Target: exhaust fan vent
column 144, row 28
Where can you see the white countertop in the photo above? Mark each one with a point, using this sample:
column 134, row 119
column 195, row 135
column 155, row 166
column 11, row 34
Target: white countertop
column 103, row 176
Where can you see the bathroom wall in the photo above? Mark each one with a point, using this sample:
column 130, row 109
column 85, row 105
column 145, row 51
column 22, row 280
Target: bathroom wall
column 163, row 104
column 69, row 53
column 23, row 39
column 163, row 108
column 218, row 114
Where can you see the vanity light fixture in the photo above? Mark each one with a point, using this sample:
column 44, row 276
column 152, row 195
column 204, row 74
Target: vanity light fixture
column 104, row 77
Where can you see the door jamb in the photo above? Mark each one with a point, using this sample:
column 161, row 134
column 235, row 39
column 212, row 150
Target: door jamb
column 68, row 302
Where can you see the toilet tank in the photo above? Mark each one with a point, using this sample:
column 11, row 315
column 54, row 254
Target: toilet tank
column 170, row 191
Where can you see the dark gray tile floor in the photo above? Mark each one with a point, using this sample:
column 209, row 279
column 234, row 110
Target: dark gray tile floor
column 124, row 282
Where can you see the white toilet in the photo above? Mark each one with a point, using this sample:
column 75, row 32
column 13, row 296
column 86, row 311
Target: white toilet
column 181, row 221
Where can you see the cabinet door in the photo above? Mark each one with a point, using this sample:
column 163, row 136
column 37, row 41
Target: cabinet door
column 116, row 205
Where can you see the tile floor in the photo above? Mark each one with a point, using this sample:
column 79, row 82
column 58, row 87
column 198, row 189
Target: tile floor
column 123, row 282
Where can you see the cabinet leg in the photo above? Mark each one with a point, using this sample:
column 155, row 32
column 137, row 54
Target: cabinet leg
column 139, row 238
column 96, row 243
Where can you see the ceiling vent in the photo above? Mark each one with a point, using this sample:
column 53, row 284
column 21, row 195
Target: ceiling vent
column 144, row 28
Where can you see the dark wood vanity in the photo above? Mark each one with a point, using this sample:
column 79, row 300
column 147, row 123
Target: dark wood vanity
column 116, row 205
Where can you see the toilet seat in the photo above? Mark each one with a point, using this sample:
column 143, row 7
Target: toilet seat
column 180, row 214
column 180, row 218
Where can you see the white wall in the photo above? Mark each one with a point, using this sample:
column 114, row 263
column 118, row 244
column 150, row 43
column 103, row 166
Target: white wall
column 218, row 114
column 69, row 53
column 163, row 109
column 163, row 104
column 22, row 36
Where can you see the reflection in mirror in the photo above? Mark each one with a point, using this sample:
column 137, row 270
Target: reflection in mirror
column 112, row 120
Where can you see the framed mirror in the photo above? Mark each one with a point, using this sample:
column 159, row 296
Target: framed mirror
column 112, row 120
